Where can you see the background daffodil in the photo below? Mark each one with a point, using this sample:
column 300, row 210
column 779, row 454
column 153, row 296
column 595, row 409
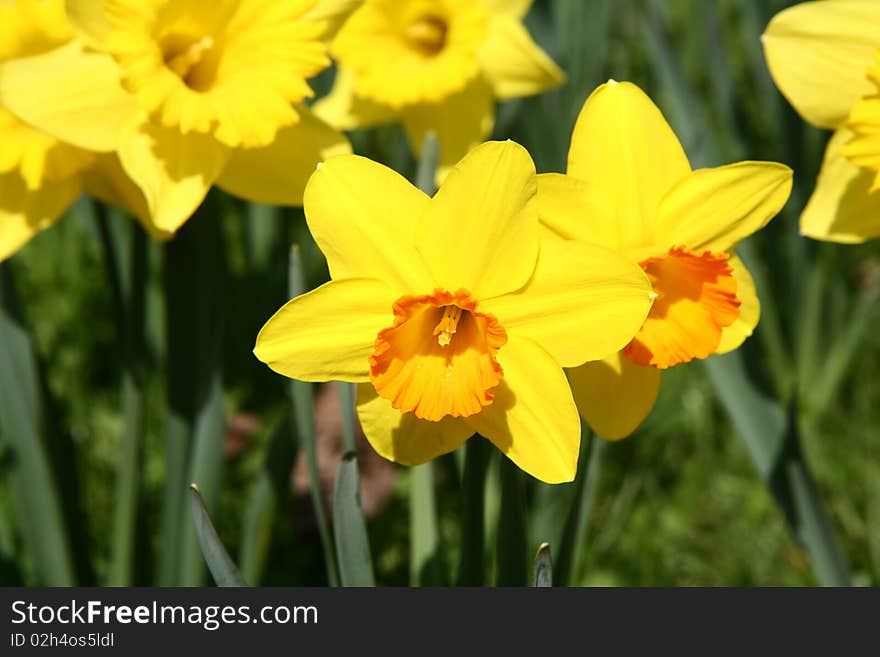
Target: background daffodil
column 825, row 58
column 436, row 66
column 188, row 94
column 40, row 176
column 629, row 187
column 451, row 313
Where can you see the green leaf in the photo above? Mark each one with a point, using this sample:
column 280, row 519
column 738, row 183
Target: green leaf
column 222, row 568
column 352, row 544
column 35, row 491
column 772, row 438
column 543, row 572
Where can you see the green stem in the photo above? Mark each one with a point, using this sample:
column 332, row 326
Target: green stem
column 194, row 277
column 128, row 475
column 424, row 538
column 512, row 551
column 304, row 429
column 578, row 520
column 472, row 569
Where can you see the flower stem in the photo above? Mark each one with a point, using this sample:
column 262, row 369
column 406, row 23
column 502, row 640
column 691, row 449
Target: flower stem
column 472, row 569
column 194, row 277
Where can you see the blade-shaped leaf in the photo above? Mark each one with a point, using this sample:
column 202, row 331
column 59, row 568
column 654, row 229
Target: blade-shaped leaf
column 222, row 568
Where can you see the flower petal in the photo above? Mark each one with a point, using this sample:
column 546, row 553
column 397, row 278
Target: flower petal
column 533, row 419
column 513, row 63
column 89, row 20
column 842, row 207
column 571, row 209
column 480, row 231
column 277, row 174
column 460, row 122
column 24, row 212
column 363, row 216
column 173, row 170
column 515, row 8
column 713, row 209
column 819, row 54
column 107, row 181
column 614, row 395
column 623, row 146
column 333, row 13
column 329, row 333
column 345, row 110
column 402, row 437
column 583, row 303
column 69, row 93
column 749, row 309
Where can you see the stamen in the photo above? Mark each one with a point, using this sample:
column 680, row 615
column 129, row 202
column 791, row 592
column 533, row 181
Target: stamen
column 427, row 35
column 184, row 63
column 448, row 325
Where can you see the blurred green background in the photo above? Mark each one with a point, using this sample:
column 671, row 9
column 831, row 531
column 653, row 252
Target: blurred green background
column 679, row 503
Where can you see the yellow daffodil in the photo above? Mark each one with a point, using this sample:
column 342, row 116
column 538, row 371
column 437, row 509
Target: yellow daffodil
column 451, row 313
column 41, row 176
column 629, row 187
column 188, row 94
column 825, row 58
column 436, row 66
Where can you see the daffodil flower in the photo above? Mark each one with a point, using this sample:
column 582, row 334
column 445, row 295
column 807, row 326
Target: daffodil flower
column 436, row 66
column 451, row 313
column 630, row 188
column 188, row 94
column 41, row 176
column 825, row 58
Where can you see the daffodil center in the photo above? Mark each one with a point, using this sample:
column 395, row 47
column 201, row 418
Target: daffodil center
column 187, row 58
column 418, row 366
column 695, row 300
column 448, row 325
column 427, row 35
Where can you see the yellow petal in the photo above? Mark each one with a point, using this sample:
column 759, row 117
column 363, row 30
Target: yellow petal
column 819, row 54
column 71, row 94
column 842, row 207
column 402, row 437
column 533, row 419
column 515, row 8
column 89, row 20
column 24, row 212
column 572, row 210
column 333, row 13
column 363, row 216
column 173, row 170
column 749, row 309
column 480, row 231
column 623, row 146
column 107, row 181
column 713, row 209
column 345, row 110
column 614, row 395
column 583, row 303
column 460, row 122
column 277, row 174
column 329, row 333
column 513, row 63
